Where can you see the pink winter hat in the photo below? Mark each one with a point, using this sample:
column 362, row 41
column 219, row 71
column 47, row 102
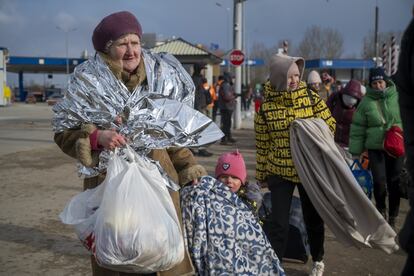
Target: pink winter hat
column 231, row 163
column 113, row 27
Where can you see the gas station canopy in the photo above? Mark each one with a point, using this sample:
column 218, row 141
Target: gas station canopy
column 42, row 64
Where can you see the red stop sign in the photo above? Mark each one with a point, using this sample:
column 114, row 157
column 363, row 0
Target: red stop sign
column 236, row 57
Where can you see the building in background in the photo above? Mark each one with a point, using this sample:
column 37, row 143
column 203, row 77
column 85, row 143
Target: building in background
column 342, row 69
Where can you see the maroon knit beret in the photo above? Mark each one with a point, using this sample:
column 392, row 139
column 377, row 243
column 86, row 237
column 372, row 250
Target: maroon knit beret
column 113, row 27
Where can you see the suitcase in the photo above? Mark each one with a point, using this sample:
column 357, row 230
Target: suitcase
column 297, row 247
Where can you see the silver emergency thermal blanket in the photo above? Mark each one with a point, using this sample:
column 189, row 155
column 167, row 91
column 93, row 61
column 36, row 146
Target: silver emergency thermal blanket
column 334, row 191
column 158, row 114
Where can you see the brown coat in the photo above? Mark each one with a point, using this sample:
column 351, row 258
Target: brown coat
column 178, row 163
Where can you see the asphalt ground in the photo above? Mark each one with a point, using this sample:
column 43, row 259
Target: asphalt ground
column 37, row 179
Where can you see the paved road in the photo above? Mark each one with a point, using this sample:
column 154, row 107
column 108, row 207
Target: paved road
column 24, row 127
column 37, row 180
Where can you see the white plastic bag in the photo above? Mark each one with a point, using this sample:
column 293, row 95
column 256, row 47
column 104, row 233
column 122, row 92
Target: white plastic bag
column 81, row 212
column 137, row 228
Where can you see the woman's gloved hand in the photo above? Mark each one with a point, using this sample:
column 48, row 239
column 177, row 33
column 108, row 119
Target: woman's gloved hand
column 192, row 175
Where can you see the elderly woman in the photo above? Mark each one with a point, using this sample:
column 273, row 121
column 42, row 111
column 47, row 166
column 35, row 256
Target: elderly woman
column 121, row 69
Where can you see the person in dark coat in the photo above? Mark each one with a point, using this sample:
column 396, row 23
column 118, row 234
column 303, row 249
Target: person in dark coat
column 405, row 82
column 217, row 89
column 343, row 105
column 226, row 104
column 200, row 102
column 200, row 99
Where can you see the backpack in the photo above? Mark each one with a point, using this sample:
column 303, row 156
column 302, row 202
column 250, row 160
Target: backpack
column 297, row 247
column 209, row 100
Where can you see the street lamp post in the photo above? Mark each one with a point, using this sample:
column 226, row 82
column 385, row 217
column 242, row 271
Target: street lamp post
column 227, row 9
column 238, row 44
column 237, row 31
column 66, row 31
column 376, row 37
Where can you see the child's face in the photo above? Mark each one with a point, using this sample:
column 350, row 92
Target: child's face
column 315, row 86
column 293, row 82
column 232, row 182
column 379, row 85
column 325, row 77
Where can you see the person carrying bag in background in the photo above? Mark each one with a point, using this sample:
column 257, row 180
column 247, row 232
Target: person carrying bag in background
column 377, row 113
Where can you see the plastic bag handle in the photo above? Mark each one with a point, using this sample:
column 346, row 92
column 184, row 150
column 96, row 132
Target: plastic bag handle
column 358, row 163
column 129, row 152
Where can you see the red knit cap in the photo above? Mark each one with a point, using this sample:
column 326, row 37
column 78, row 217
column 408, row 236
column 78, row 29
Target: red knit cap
column 231, row 163
column 113, row 27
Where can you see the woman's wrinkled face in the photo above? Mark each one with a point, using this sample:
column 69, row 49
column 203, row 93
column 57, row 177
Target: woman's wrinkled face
column 293, row 82
column 232, row 182
column 379, row 85
column 126, row 50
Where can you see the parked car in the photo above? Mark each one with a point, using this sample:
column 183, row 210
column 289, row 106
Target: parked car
column 54, row 98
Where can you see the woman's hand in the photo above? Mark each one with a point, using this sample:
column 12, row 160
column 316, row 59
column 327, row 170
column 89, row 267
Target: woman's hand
column 110, row 139
column 193, row 182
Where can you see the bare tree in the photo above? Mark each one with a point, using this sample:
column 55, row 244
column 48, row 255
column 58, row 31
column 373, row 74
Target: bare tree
column 311, row 44
column 333, row 43
column 321, row 43
column 260, row 51
column 259, row 74
column 368, row 47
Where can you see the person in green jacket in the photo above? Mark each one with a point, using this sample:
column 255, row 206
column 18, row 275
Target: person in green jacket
column 377, row 112
column 287, row 98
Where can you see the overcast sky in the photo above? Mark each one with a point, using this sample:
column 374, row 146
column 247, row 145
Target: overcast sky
column 30, row 27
